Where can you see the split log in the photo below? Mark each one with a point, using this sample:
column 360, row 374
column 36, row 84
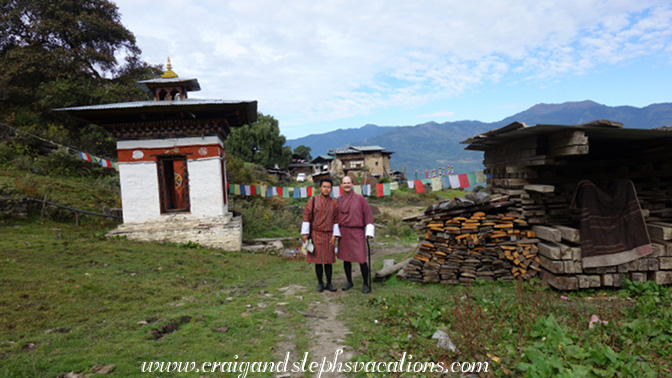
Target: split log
column 388, row 270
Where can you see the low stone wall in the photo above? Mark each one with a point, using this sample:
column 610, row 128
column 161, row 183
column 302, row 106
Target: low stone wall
column 221, row 232
column 12, row 207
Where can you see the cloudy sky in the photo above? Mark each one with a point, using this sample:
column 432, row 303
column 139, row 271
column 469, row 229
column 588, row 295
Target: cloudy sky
column 317, row 66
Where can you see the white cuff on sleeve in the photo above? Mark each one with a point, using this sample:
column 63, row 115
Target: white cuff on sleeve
column 370, row 230
column 305, row 228
column 337, row 230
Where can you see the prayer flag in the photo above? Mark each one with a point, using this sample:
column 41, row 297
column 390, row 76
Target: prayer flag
column 105, row 163
column 386, row 189
column 379, row 190
column 297, row 193
column 310, row 191
column 480, row 177
column 436, row 184
column 472, row 178
column 411, row 184
column 454, row 182
column 357, row 189
column 84, row 156
column 304, row 192
column 394, row 186
column 445, row 182
column 419, row 188
column 464, row 180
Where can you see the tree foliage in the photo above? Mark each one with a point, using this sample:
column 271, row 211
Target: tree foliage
column 260, row 143
column 60, row 53
column 304, row 152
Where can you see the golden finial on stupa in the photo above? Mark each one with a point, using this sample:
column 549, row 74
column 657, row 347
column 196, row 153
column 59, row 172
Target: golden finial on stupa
column 169, row 70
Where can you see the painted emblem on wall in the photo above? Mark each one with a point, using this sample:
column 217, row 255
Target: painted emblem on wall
column 137, row 154
column 203, row 151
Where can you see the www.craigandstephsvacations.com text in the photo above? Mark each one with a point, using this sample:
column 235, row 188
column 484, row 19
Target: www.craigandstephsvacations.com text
column 243, row 368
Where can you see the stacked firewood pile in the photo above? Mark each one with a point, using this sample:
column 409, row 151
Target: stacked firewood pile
column 473, row 238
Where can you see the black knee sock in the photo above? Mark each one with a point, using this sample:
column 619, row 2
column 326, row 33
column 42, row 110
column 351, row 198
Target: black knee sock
column 328, row 270
column 347, row 266
column 318, row 272
column 364, row 267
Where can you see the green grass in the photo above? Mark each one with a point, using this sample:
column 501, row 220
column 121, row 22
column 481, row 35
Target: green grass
column 58, row 276
column 94, row 292
column 520, row 329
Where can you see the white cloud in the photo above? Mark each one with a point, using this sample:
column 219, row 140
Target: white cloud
column 439, row 114
column 308, row 62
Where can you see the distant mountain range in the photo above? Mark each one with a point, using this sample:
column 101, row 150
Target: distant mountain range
column 430, row 145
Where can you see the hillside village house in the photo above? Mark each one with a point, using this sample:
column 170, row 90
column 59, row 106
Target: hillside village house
column 172, row 162
column 360, row 159
column 300, row 165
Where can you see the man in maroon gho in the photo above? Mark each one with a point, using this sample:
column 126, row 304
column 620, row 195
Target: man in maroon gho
column 320, row 222
column 356, row 224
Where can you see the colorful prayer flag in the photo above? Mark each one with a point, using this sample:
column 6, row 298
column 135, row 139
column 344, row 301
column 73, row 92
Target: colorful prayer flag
column 386, row 189
column 472, row 178
column 480, row 177
column 436, row 184
column 379, row 190
column 85, row 156
column 464, row 180
column 419, row 187
column 454, row 182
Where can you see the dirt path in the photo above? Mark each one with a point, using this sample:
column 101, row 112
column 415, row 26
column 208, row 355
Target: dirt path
column 327, row 333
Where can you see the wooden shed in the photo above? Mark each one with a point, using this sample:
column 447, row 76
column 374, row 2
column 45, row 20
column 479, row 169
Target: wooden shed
column 538, row 169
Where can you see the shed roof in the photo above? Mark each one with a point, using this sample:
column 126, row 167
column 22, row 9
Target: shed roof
column 600, row 129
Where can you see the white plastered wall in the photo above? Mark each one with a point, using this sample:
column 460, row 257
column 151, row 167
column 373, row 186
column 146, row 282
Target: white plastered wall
column 140, row 200
column 206, row 190
column 140, row 184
